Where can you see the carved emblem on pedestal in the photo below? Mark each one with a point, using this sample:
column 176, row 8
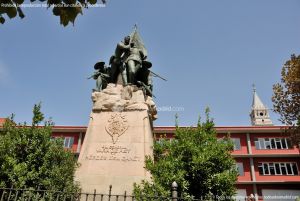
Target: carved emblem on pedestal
column 117, row 125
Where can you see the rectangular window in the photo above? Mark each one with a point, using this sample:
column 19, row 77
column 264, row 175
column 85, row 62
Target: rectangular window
column 278, row 143
column 257, row 145
column 262, row 143
column 278, row 169
column 283, row 168
column 289, row 169
column 272, row 143
column 261, row 169
column 284, row 143
column 68, row 142
column 266, row 169
column 236, row 143
column 267, row 143
column 295, row 169
column 272, row 168
column 240, row 169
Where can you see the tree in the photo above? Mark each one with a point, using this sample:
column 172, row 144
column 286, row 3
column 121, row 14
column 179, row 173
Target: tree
column 200, row 163
column 286, row 97
column 67, row 10
column 29, row 158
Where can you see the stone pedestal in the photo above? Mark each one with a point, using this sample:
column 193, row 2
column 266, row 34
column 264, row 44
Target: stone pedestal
column 118, row 138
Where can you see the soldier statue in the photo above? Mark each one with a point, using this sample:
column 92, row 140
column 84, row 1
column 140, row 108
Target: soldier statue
column 129, row 60
column 133, row 63
column 101, row 75
column 117, row 61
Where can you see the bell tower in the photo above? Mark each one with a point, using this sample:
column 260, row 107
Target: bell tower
column 259, row 112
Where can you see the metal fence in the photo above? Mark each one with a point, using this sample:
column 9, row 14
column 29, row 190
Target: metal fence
column 12, row 194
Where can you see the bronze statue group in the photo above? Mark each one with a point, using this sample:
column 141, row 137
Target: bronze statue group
column 130, row 61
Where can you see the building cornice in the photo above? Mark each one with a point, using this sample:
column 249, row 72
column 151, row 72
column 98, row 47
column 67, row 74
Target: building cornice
column 268, row 182
column 69, row 129
column 273, row 155
column 171, row 129
column 229, row 129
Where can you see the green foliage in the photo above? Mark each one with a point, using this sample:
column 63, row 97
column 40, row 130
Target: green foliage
column 30, row 159
column 67, row 10
column 286, row 97
column 201, row 164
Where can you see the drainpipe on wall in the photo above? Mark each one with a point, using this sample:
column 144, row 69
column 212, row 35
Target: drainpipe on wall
column 252, row 170
column 79, row 142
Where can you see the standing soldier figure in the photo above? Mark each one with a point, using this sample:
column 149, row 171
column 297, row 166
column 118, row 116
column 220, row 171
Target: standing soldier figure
column 117, row 61
column 133, row 62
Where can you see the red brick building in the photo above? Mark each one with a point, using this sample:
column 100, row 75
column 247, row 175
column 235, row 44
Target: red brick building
column 267, row 162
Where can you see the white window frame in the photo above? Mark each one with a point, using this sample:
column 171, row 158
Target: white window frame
column 279, row 169
column 287, row 173
column 234, row 141
column 240, row 168
column 262, row 143
column 271, row 166
column 68, row 142
column 280, row 164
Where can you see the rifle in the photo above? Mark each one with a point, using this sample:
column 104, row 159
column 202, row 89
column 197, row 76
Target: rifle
column 103, row 75
column 156, row 75
column 95, row 74
column 145, row 87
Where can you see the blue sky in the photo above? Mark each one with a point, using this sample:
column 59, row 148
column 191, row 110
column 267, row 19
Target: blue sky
column 210, row 51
